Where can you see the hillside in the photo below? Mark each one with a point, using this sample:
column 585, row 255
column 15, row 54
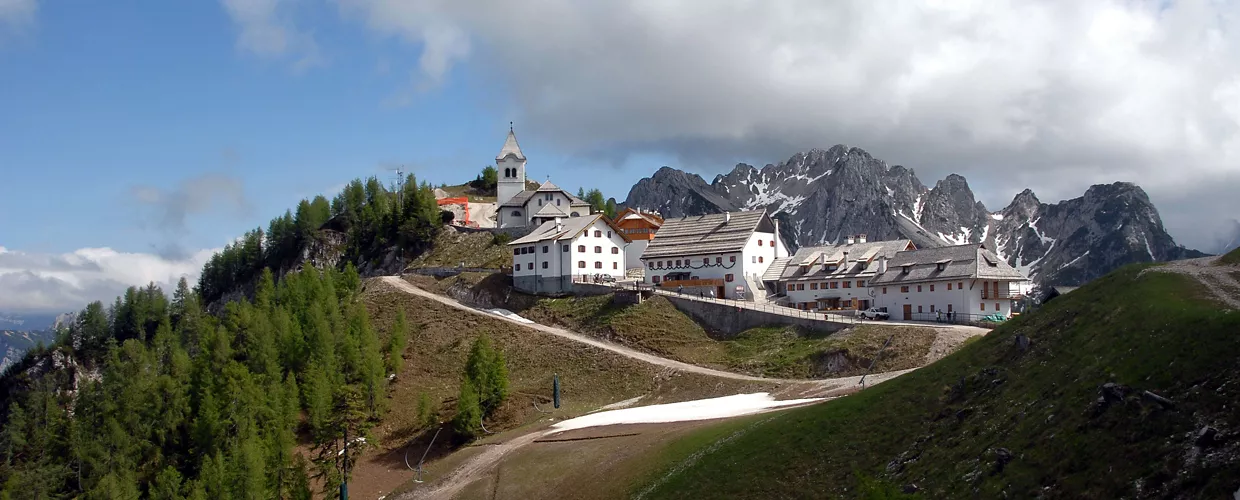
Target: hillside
column 1122, row 389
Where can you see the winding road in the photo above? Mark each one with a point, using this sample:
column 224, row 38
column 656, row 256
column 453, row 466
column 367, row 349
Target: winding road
column 1216, row 278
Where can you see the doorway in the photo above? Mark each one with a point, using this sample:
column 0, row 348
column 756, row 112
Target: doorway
column 719, row 291
column 908, row 312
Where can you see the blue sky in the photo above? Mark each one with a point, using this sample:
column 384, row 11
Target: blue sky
column 102, row 98
column 135, row 137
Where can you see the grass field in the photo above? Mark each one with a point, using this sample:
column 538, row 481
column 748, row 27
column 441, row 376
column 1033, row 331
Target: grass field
column 656, row 326
column 468, row 191
column 440, row 339
column 1231, row 258
column 994, row 421
column 453, row 248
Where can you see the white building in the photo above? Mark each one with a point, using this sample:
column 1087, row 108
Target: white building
column 967, row 281
column 560, row 251
column 834, row 276
column 520, row 207
column 725, row 254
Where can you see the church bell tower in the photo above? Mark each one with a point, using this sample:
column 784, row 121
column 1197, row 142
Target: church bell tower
column 510, row 163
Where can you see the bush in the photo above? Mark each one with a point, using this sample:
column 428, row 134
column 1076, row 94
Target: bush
column 501, row 239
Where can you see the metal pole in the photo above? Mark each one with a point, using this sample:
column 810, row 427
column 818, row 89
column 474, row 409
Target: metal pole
column 418, row 470
column 344, row 480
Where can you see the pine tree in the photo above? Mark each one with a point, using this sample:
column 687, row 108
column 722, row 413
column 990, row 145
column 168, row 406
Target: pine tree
column 468, row 419
column 397, row 341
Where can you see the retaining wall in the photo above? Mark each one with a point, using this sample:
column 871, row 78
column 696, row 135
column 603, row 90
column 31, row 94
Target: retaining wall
column 730, row 320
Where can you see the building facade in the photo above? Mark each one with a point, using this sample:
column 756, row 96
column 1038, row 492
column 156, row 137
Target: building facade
column 639, row 227
column 965, row 281
column 836, row 276
column 520, row 206
column 724, row 255
column 562, row 251
column 510, row 164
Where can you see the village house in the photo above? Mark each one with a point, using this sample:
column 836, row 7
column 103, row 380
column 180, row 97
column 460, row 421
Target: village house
column 834, row 276
column 724, row 255
column 520, row 206
column 965, row 281
column 640, row 227
column 562, row 251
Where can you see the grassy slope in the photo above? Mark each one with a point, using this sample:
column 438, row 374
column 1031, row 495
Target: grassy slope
column 439, row 344
column 656, row 326
column 948, row 420
column 1232, row 257
column 453, row 247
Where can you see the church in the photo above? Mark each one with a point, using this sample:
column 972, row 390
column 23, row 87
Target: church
column 520, row 206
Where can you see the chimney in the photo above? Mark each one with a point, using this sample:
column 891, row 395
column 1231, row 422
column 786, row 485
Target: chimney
column 882, row 265
column 727, row 217
column 559, row 225
column 861, row 238
column 776, row 234
column 850, row 240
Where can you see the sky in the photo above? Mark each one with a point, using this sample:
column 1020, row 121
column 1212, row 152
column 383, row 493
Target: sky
column 138, row 137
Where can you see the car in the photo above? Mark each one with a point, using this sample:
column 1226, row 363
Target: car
column 875, row 313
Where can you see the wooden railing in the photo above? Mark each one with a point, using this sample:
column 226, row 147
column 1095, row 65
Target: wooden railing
column 691, row 283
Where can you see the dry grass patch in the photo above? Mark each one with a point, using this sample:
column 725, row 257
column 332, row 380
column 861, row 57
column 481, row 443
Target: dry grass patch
column 453, row 247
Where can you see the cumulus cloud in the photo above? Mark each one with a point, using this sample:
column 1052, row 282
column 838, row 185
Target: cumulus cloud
column 17, row 11
column 1052, row 95
column 266, row 28
column 32, row 283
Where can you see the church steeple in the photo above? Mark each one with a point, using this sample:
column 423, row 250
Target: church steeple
column 510, row 146
column 510, row 163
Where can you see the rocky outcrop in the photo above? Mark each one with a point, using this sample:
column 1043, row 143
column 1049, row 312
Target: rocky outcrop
column 824, row 195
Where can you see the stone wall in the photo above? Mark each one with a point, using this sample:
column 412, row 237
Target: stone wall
column 730, row 320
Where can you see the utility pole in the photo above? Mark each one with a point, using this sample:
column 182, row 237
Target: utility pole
column 344, row 478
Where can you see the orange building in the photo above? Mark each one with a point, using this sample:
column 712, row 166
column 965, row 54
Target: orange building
column 639, row 227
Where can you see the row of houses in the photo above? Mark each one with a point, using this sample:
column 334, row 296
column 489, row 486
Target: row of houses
column 739, row 255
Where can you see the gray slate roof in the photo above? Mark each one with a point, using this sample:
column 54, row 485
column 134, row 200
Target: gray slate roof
column 858, row 254
column 547, row 231
column 550, row 210
column 704, row 234
column 519, row 199
column 510, row 148
column 961, row 261
column 776, row 269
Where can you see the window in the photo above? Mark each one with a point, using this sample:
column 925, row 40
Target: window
column 813, row 286
column 516, row 251
column 557, row 203
column 668, row 264
column 949, row 287
column 598, row 249
column 581, row 264
column 566, row 247
column 759, row 242
column 615, row 250
column 516, row 213
column 650, row 265
column 608, row 234
column 581, row 248
column 960, row 285
column 759, row 259
column 996, row 306
column 727, row 278
column 598, row 234
column 884, row 290
column 574, row 214
column 598, row 265
column 860, row 283
column 531, row 249
column 932, row 289
column 654, row 279
column 732, row 259
column 918, row 288
column 545, row 249
column 904, row 289
column 847, row 284
column 705, row 261
column 615, row 265
column 918, row 309
column 677, row 262
column 540, row 203
column 517, row 267
column 800, row 286
column 931, row 307
column 544, row 264
column 949, row 308
column 718, row 260
column 772, row 243
column 753, row 259
column 835, row 284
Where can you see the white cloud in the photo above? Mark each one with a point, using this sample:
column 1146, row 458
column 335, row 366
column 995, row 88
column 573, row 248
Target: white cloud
column 1053, row 95
column 266, row 29
column 43, row 283
column 18, row 11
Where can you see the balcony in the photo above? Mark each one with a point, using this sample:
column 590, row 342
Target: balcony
column 1000, row 294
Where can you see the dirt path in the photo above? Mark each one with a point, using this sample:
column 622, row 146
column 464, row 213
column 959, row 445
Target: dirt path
column 947, row 340
column 1217, row 279
column 402, row 285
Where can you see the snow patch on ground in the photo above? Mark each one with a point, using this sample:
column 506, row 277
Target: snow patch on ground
column 702, row 409
column 508, row 314
column 622, row 404
column 917, row 206
column 1073, row 261
column 996, row 216
column 1147, row 247
column 1034, row 226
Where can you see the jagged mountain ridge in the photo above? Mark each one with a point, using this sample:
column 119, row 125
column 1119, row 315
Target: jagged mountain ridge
column 822, row 196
